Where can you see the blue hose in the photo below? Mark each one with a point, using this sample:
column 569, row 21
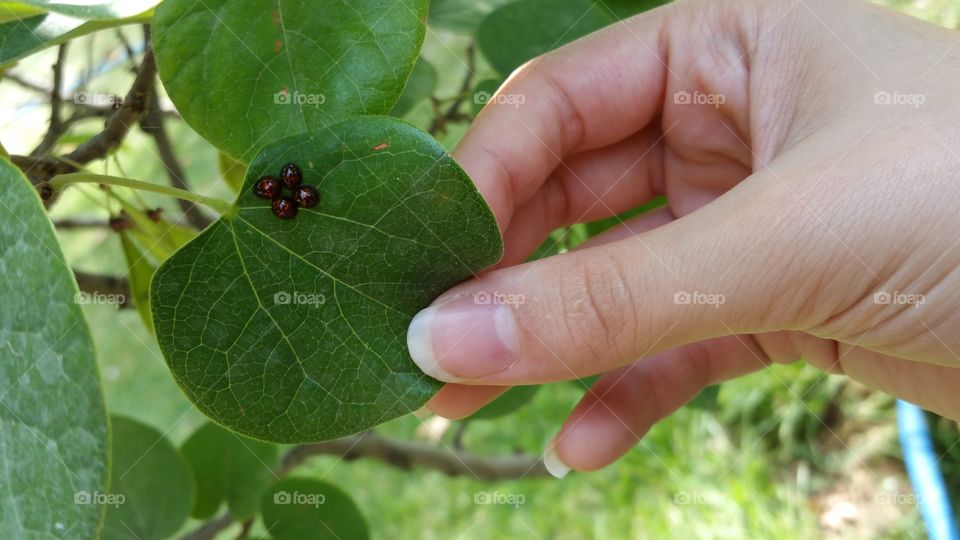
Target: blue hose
column 924, row 471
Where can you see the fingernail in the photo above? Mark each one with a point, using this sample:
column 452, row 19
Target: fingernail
column 464, row 340
column 553, row 463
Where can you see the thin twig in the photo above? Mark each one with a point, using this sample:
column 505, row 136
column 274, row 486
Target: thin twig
column 408, row 454
column 152, row 124
column 453, row 114
column 210, row 529
column 57, row 127
column 41, row 169
column 67, row 224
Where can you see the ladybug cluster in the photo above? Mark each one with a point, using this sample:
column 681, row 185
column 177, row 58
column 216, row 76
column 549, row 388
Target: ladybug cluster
column 285, row 206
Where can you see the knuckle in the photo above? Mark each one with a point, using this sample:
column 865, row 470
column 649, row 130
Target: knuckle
column 597, row 305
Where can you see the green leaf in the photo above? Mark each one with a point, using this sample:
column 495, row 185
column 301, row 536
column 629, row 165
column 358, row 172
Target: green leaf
column 87, row 9
column 523, row 30
column 158, row 238
column 139, row 273
column 420, row 86
column 461, row 16
column 244, row 73
column 294, row 331
column 22, row 37
column 707, row 398
column 482, row 93
column 308, row 509
column 621, row 9
column 232, row 172
column 151, row 484
column 228, row 467
column 511, row 400
column 14, row 11
column 595, row 228
column 53, row 423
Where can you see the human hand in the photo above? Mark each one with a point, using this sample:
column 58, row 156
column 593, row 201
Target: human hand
column 809, row 153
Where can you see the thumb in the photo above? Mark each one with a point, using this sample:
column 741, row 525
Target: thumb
column 731, row 267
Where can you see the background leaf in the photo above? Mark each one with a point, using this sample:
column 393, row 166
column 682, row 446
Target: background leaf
column 294, row 331
column 53, row 424
column 244, row 73
column 420, row 86
column 154, row 481
column 621, row 9
column 523, row 30
column 511, row 400
column 482, row 93
column 232, row 171
column 14, row 11
column 461, row 16
column 87, row 9
column 139, row 273
column 23, row 37
column 307, row 509
column 228, row 467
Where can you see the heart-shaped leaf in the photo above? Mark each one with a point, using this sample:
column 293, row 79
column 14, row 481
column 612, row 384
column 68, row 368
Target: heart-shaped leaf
column 246, row 72
column 295, row 330
column 308, row 509
column 93, row 9
column 53, row 423
column 151, row 489
column 228, row 467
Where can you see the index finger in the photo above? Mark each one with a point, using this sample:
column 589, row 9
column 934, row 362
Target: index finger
column 591, row 93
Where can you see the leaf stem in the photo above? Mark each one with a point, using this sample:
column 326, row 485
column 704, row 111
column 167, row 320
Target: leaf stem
column 60, row 181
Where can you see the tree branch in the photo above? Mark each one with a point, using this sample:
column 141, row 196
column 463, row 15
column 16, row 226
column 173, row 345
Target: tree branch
column 398, row 453
column 41, row 169
column 118, row 125
column 57, row 126
column 67, row 224
column 152, row 124
column 408, row 454
column 452, row 114
column 96, row 283
column 210, row 529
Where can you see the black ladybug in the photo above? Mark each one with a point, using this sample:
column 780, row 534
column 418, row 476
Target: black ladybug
column 266, row 187
column 290, row 175
column 306, row 196
column 284, row 207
